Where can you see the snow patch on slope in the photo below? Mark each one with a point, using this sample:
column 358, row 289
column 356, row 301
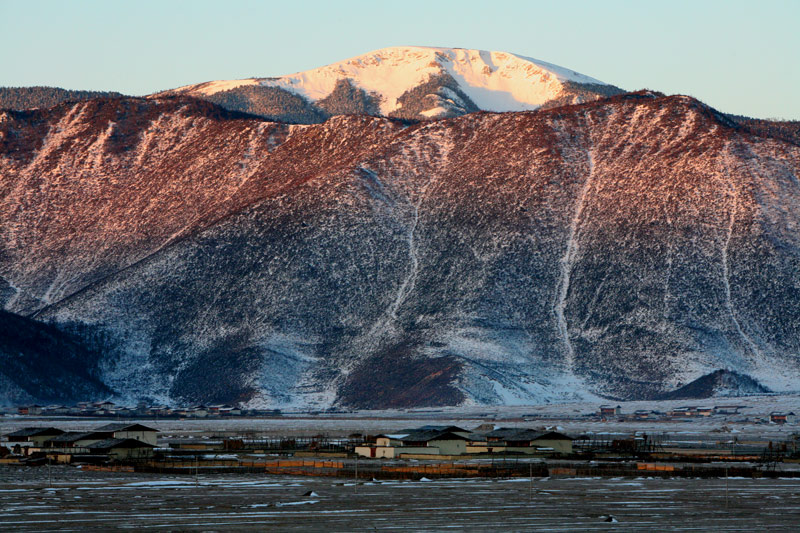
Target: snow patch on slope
column 214, row 87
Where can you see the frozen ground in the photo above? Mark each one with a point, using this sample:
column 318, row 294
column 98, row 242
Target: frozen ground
column 91, row 501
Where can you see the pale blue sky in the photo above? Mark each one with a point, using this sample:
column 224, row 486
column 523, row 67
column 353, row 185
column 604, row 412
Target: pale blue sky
column 740, row 57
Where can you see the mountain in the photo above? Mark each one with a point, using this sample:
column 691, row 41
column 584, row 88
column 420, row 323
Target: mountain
column 409, row 82
column 718, row 383
column 618, row 248
column 19, row 98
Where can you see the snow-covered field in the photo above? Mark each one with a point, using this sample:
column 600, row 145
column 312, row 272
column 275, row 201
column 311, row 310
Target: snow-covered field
column 74, row 500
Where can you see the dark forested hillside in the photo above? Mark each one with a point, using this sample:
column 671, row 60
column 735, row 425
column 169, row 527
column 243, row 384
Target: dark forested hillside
column 785, row 130
column 19, row 98
column 271, row 103
column 41, row 363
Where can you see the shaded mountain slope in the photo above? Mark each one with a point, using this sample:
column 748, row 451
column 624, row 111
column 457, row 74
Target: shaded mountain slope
column 40, row 363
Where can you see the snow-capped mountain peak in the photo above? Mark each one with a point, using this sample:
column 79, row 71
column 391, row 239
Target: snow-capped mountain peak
column 458, row 80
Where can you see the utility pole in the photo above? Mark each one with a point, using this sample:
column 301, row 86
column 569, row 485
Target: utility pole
column 49, row 477
column 196, row 472
column 726, row 487
column 355, row 485
column 530, row 492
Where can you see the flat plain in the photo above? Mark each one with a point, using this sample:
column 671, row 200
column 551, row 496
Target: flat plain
column 71, row 499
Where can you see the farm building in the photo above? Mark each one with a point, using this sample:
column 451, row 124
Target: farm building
column 445, row 442
column 520, row 440
column 36, row 436
column 444, row 429
column 130, row 431
column 727, row 409
column 75, row 440
column 610, row 410
column 383, row 448
column 782, row 418
column 683, row 411
column 416, row 442
column 121, row 449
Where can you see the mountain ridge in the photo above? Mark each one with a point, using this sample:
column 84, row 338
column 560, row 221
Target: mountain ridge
column 319, row 265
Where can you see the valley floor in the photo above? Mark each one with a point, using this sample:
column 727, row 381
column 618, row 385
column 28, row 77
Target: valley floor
column 570, row 418
column 76, row 500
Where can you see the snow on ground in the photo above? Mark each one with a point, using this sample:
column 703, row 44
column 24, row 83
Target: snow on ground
column 213, row 87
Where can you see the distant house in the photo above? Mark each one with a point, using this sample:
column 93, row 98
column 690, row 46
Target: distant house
column 499, row 435
column 529, row 438
column 390, row 439
column 201, row 411
column 416, row 442
column 130, row 431
column 30, row 410
column 520, row 440
column 444, row 442
column 642, row 414
column 727, row 409
column 229, row 410
column 121, row 449
column 782, row 418
column 160, row 410
column 384, row 448
column 610, row 410
column 704, row 411
column 683, row 411
column 447, row 429
column 36, row 436
column 74, row 440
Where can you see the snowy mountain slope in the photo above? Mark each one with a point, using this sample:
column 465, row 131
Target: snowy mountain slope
column 620, row 248
column 479, row 79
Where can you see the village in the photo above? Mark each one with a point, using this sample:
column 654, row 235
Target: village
column 134, row 442
column 121, row 440
column 540, row 465
column 142, row 410
column 106, row 409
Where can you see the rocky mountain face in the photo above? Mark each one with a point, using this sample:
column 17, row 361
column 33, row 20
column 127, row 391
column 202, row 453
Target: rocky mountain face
column 621, row 248
column 409, row 82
